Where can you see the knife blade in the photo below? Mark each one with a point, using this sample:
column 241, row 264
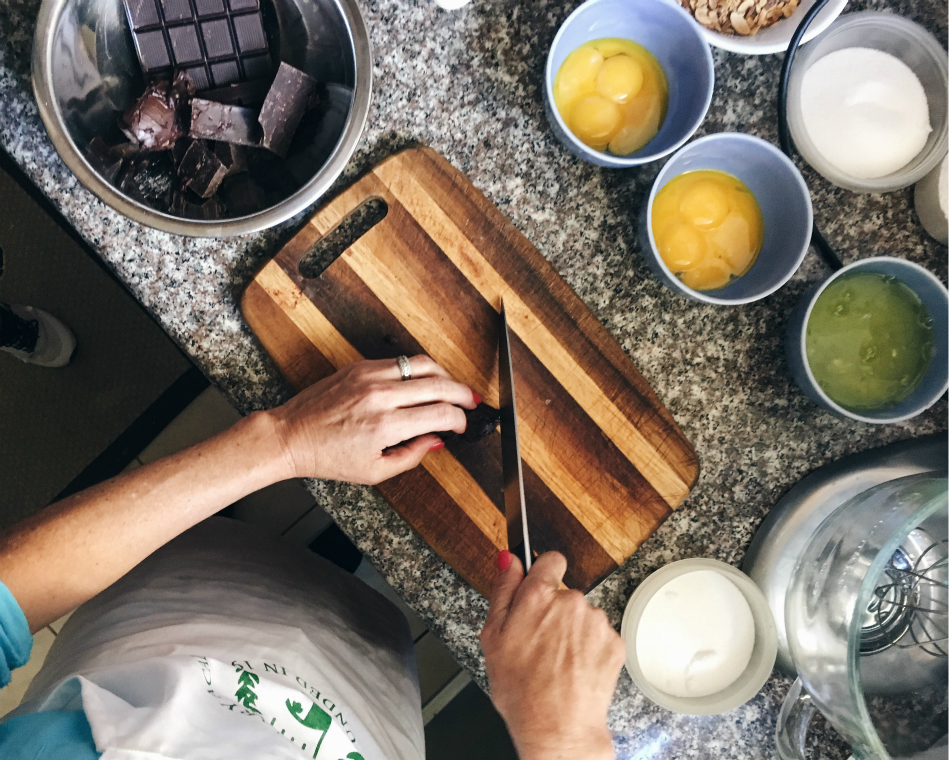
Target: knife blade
column 515, row 508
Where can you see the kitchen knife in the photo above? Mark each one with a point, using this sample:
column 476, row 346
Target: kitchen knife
column 515, row 510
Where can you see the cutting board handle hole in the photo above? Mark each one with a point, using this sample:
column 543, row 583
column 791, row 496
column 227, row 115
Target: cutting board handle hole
column 335, row 242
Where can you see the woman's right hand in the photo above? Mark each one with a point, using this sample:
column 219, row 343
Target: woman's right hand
column 364, row 424
column 553, row 662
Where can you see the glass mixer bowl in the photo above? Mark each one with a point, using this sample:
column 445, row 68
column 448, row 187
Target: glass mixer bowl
column 866, row 624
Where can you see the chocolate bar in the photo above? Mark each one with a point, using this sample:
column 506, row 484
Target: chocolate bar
column 219, row 121
column 284, row 106
column 154, row 121
column 201, row 171
column 216, row 42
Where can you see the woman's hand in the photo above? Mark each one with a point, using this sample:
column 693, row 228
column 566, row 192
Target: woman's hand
column 552, row 660
column 365, row 424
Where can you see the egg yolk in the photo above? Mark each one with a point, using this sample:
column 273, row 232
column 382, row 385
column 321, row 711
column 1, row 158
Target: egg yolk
column 708, row 228
column 595, row 120
column 620, row 78
column 612, row 94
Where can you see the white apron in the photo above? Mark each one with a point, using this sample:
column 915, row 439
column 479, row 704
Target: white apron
column 226, row 644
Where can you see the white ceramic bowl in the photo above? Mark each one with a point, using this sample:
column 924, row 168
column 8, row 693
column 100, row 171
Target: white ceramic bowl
column 776, row 37
column 763, row 655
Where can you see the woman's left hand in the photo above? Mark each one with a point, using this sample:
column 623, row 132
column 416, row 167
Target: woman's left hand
column 365, row 424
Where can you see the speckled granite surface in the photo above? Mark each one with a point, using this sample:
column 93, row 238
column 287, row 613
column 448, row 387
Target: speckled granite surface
column 468, row 84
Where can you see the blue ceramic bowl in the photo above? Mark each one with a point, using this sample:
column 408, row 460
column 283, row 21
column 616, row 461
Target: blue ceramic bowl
column 666, row 31
column 785, row 205
column 936, row 300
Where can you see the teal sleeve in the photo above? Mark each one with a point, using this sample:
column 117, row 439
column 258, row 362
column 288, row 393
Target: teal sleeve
column 48, row 736
column 15, row 639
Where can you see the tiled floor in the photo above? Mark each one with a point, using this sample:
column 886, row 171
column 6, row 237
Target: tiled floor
column 284, row 509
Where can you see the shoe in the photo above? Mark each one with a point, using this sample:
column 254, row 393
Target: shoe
column 54, row 343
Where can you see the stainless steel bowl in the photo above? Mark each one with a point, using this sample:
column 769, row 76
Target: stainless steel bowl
column 85, row 71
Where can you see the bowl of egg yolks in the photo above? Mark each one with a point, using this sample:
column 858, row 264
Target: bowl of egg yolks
column 727, row 221
column 627, row 81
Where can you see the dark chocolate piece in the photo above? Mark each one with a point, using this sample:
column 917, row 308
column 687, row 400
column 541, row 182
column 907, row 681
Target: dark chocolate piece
column 225, row 72
column 142, row 13
column 219, row 121
column 234, row 157
column 243, row 196
column 249, row 30
column 180, row 148
column 150, row 180
column 242, row 94
column 272, row 174
column 201, row 171
column 482, row 421
column 176, row 10
column 213, row 208
column 152, row 51
column 154, row 121
column 217, row 38
column 243, row 5
column 103, row 160
column 283, row 107
column 184, row 44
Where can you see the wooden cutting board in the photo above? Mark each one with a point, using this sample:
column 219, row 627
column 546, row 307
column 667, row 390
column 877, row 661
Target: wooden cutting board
column 604, row 462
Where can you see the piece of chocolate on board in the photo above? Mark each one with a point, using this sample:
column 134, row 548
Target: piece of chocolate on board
column 201, row 171
column 223, row 122
column 284, row 106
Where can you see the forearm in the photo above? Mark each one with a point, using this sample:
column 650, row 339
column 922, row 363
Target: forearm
column 74, row 549
column 598, row 745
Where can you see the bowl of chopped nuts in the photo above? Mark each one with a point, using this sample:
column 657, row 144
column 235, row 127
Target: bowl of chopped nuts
column 758, row 27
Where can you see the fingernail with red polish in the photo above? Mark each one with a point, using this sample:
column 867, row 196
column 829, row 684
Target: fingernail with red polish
column 437, row 446
column 477, row 398
column 505, row 558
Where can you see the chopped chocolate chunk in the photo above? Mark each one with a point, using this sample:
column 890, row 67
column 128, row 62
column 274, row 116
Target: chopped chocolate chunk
column 482, row 421
column 185, row 47
column 271, row 174
column 243, row 5
column 284, row 107
column 180, row 148
column 242, row 94
column 219, row 121
column 150, row 180
column 243, row 196
column 200, row 170
column 103, row 161
column 154, row 121
column 212, row 208
column 234, row 157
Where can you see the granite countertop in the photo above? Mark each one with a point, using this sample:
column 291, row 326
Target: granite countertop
column 468, row 84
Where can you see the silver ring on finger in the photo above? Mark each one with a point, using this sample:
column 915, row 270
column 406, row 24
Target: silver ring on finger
column 405, row 369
